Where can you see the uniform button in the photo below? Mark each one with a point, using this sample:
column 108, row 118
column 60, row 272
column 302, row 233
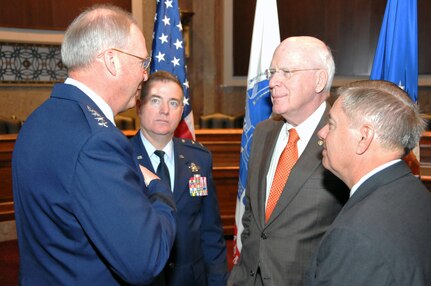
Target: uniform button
column 251, row 273
column 171, row 265
column 263, row 235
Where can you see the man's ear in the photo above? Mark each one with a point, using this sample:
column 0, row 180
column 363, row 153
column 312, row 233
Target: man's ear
column 366, row 133
column 110, row 62
column 321, row 80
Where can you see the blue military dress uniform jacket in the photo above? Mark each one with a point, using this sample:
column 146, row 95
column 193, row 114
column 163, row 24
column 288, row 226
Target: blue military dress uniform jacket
column 199, row 253
column 83, row 213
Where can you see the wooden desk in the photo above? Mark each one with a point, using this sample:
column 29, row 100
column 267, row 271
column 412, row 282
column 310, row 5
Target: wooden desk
column 7, row 142
column 225, row 146
column 425, row 158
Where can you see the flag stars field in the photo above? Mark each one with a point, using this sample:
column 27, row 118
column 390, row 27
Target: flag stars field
column 175, row 62
column 178, row 44
column 168, row 4
column 160, row 57
column 166, row 21
column 163, row 38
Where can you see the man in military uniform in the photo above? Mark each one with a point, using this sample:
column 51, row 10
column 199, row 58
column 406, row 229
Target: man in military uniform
column 86, row 212
column 199, row 253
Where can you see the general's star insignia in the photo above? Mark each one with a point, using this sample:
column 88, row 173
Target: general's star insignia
column 100, row 119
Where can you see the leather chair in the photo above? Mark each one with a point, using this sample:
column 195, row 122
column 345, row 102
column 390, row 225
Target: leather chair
column 238, row 120
column 125, row 122
column 216, row 120
column 427, row 118
column 9, row 126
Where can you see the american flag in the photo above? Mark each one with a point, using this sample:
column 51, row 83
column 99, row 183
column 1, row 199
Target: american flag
column 169, row 55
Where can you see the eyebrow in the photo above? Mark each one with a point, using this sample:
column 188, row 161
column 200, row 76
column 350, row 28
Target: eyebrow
column 159, row 96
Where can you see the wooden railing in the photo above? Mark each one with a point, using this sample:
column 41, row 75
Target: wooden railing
column 7, row 141
column 425, row 161
column 224, row 144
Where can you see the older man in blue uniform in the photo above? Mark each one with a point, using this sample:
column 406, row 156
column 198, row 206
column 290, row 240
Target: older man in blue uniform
column 199, row 253
column 86, row 212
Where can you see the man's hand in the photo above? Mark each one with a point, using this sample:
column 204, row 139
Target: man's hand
column 148, row 175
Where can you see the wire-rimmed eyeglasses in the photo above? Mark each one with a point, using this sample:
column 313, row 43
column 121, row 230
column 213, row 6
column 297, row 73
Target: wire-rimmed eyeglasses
column 144, row 61
column 285, row 72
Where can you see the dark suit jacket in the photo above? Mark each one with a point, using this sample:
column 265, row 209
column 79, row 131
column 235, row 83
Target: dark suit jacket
column 309, row 203
column 83, row 213
column 199, row 253
column 381, row 237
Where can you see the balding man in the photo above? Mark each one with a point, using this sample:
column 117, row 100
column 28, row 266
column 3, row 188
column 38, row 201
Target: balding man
column 290, row 198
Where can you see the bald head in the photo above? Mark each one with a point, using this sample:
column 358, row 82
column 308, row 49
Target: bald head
column 310, row 51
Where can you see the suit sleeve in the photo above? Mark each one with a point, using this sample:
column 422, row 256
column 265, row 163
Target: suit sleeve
column 132, row 227
column 247, row 215
column 348, row 258
column 213, row 243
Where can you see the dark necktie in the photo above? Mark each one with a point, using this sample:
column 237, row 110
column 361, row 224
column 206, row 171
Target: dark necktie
column 162, row 169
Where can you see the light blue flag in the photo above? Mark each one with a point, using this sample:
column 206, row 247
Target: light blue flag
column 396, row 57
column 266, row 37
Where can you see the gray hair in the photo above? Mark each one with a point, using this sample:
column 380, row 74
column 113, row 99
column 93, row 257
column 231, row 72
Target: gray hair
column 396, row 118
column 95, row 30
column 327, row 59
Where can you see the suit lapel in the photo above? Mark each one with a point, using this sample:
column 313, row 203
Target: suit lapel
column 141, row 152
column 307, row 163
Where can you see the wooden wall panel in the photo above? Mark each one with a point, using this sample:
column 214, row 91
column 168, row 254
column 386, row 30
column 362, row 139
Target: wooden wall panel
column 351, row 29
column 47, row 14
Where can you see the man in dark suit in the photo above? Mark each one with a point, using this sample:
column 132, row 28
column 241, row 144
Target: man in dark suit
column 199, row 253
column 382, row 235
column 86, row 212
column 277, row 246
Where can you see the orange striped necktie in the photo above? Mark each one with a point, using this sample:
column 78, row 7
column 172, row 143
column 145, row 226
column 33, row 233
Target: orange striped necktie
column 287, row 160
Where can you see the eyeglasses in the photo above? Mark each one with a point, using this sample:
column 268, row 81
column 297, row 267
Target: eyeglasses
column 287, row 74
column 144, row 61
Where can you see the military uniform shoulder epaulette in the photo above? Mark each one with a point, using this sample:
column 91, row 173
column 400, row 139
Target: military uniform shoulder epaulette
column 193, row 144
column 95, row 119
